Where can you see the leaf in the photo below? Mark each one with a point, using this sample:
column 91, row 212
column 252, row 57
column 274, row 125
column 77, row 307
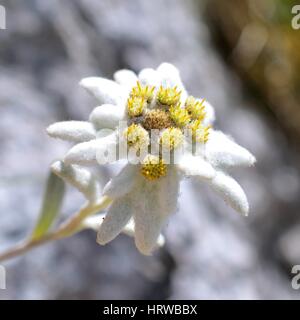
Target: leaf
column 52, row 201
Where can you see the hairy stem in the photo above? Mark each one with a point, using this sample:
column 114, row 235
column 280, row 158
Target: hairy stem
column 66, row 229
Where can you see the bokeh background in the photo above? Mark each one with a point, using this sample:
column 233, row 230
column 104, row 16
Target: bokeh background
column 243, row 56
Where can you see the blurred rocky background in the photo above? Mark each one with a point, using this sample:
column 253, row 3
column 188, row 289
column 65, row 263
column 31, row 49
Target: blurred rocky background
column 243, row 56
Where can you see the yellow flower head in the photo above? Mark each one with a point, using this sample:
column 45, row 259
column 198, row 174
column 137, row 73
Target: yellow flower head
column 136, row 136
column 179, row 115
column 171, row 138
column 200, row 132
column 195, row 108
column 153, row 167
column 144, row 92
column 136, row 106
column 168, row 96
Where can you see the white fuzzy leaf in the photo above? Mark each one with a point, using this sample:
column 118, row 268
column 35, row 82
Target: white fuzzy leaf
column 231, row 192
column 75, row 131
column 126, row 78
column 117, row 217
column 150, row 77
column 122, row 183
column 83, row 153
column 87, row 153
column 130, row 230
column 80, row 178
column 104, row 90
column 209, row 113
column 169, row 191
column 223, row 152
column 106, row 116
column 94, row 223
column 107, row 150
column 169, row 75
column 195, row 166
column 153, row 203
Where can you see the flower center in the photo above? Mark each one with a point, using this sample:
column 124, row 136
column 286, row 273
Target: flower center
column 160, row 108
column 157, row 119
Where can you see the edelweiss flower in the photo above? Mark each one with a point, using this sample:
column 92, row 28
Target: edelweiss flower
column 171, row 135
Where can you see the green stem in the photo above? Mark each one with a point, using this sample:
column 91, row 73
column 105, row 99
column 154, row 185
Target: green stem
column 66, row 229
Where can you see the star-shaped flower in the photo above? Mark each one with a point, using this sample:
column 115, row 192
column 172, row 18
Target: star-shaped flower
column 168, row 135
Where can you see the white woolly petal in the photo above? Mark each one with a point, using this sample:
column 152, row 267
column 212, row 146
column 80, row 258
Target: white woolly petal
column 130, row 231
column 231, row 192
column 129, row 228
column 106, row 116
column 195, row 166
column 210, row 113
column 169, row 191
column 126, row 78
column 223, row 152
column 80, row 178
column 150, row 77
column 107, row 149
column 106, row 91
column 116, row 219
column 94, row 223
column 152, row 206
column 122, row 183
column 83, row 153
column 75, row 131
column 86, row 153
column 169, row 75
column 149, row 221
column 161, row 241
column 104, row 132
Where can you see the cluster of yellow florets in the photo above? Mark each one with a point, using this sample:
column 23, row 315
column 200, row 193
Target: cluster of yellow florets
column 168, row 96
column 136, row 106
column 145, row 92
column 171, row 138
column 200, row 132
column 150, row 108
column 153, row 167
column 136, row 136
column 180, row 116
column 195, row 108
